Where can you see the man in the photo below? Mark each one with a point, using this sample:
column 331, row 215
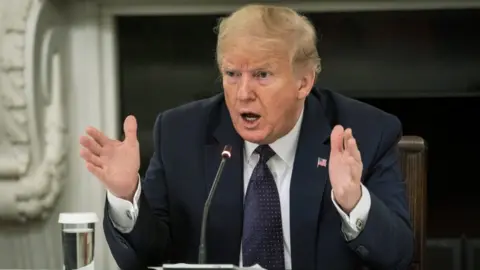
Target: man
column 313, row 181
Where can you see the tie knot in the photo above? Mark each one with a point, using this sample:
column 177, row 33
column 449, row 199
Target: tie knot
column 265, row 152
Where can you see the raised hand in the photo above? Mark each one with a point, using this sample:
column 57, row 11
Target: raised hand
column 115, row 163
column 345, row 168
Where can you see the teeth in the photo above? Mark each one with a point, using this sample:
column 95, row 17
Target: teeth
column 250, row 117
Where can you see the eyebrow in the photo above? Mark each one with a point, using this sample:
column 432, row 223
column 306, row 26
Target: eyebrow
column 256, row 68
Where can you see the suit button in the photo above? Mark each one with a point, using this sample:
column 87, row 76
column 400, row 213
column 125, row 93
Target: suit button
column 362, row 251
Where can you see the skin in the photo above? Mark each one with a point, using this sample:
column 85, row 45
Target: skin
column 254, row 80
column 345, row 168
column 265, row 84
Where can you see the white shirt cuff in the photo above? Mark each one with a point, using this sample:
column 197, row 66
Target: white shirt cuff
column 354, row 223
column 123, row 213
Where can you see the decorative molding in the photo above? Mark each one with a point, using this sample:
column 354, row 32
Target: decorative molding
column 204, row 7
column 14, row 137
column 33, row 140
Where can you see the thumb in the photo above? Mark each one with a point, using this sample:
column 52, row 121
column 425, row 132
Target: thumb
column 336, row 140
column 130, row 129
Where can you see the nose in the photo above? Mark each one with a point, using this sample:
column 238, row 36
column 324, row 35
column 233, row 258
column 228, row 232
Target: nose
column 245, row 89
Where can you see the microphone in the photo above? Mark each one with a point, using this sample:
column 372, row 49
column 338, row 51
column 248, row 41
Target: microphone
column 202, row 250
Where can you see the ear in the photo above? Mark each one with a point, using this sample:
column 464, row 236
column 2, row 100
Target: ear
column 305, row 84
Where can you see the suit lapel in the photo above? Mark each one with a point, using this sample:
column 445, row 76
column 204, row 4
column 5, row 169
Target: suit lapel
column 308, row 184
column 225, row 222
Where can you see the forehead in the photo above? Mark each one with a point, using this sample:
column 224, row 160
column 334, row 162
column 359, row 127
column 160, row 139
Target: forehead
column 248, row 56
column 245, row 63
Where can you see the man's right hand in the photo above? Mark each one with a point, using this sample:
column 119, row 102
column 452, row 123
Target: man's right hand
column 115, row 163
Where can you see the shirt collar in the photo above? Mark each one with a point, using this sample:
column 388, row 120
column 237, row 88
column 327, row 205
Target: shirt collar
column 285, row 147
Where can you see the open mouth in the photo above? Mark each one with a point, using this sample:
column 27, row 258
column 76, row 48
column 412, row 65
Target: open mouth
column 250, row 117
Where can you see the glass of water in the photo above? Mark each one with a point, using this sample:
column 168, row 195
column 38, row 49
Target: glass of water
column 78, row 240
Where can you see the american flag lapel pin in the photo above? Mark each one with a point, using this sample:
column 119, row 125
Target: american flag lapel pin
column 321, row 162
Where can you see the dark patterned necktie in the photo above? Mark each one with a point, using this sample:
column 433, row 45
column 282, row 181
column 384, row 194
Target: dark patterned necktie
column 262, row 241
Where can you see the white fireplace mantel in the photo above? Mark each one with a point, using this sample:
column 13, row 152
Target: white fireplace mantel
column 34, row 134
column 58, row 75
column 154, row 7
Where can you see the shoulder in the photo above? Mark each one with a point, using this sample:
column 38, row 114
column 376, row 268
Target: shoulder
column 354, row 113
column 189, row 114
column 374, row 129
column 192, row 110
column 190, row 122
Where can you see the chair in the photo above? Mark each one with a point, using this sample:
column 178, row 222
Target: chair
column 413, row 151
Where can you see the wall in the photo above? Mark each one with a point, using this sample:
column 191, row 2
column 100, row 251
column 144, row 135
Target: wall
column 44, row 111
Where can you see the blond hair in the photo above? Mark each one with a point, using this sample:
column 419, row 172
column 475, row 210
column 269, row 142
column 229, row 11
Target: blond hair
column 271, row 25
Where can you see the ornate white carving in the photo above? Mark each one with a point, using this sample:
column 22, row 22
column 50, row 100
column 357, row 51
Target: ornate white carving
column 32, row 126
column 13, row 128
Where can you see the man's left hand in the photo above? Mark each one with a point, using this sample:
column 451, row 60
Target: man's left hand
column 345, row 168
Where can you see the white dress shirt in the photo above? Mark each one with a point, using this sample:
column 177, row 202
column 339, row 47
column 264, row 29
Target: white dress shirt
column 123, row 213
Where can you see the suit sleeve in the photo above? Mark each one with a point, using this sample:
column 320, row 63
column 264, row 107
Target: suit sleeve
column 386, row 239
column 147, row 243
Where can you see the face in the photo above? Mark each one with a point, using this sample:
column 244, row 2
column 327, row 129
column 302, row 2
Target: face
column 263, row 94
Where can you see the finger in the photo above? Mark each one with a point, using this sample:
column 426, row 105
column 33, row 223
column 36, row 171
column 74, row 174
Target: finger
column 336, row 140
column 347, row 136
column 355, row 168
column 130, row 129
column 98, row 136
column 91, row 158
column 97, row 171
column 91, row 145
column 352, row 149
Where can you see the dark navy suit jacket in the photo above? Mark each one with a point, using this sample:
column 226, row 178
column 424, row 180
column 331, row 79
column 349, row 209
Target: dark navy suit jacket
column 188, row 143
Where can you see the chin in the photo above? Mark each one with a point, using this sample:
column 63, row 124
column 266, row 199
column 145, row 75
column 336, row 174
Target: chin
column 258, row 133
column 253, row 136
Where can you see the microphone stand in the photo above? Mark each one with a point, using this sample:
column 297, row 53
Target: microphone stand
column 202, row 250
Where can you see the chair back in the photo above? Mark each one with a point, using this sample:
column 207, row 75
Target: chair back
column 413, row 154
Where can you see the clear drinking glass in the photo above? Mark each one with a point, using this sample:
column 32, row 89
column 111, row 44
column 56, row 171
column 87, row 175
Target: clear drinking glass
column 78, row 240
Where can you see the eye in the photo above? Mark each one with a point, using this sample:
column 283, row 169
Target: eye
column 230, row 73
column 262, row 74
